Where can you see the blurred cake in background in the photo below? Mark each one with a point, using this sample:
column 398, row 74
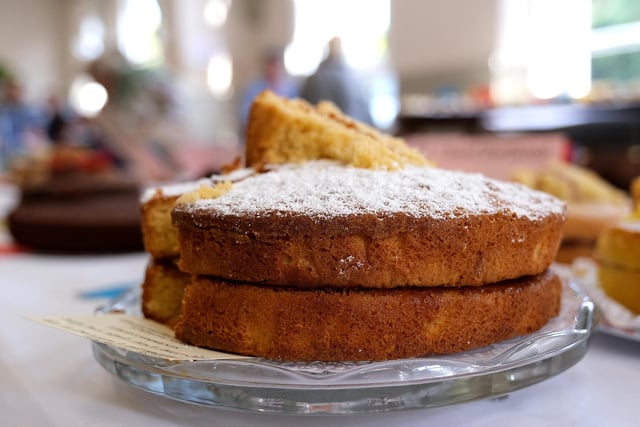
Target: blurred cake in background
column 592, row 204
column 73, row 199
column 618, row 256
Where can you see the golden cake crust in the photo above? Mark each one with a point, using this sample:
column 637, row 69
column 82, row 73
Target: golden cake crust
column 362, row 324
column 485, row 232
column 158, row 235
column 432, row 252
column 284, row 130
column 162, row 291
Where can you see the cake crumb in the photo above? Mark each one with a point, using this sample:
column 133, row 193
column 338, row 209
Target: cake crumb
column 205, row 192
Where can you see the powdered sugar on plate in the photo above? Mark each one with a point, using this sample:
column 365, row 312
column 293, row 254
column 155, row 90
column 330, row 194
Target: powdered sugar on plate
column 179, row 188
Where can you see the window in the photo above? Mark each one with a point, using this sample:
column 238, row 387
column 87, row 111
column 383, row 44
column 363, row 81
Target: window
column 364, row 43
column 616, row 40
column 542, row 50
column 139, row 23
column 566, row 49
column 364, row 40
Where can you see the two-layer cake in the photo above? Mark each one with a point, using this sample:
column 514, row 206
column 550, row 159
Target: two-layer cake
column 319, row 258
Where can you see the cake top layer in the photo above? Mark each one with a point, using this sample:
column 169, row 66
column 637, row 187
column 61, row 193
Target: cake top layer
column 327, row 189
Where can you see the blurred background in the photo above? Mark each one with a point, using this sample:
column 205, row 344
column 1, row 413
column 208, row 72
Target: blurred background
column 176, row 75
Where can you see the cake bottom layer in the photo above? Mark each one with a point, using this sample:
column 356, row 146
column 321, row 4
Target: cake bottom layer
column 162, row 291
column 362, row 324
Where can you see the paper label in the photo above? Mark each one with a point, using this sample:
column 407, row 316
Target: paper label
column 140, row 335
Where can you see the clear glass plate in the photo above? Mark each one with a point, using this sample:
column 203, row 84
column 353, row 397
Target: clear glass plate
column 360, row 387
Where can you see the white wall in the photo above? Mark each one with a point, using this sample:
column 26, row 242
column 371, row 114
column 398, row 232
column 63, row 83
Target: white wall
column 31, row 43
column 251, row 26
column 437, row 35
column 442, row 41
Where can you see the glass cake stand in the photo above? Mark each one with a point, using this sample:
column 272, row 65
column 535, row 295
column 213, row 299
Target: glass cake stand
column 360, row 387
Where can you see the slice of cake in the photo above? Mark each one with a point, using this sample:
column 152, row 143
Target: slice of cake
column 282, row 130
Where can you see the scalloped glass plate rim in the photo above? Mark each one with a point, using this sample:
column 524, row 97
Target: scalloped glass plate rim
column 576, row 305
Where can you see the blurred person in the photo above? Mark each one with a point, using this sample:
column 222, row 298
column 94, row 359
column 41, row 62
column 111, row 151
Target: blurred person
column 335, row 81
column 59, row 118
column 273, row 76
column 21, row 125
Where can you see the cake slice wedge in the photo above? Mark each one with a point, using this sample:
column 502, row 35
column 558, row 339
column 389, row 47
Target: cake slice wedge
column 284, row 130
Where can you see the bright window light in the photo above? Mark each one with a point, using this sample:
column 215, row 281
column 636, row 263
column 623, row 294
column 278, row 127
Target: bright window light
column 87, row 97
column 139, row 22
column 89, row 42
column 543, row 48
column 220, row 76
column 363, row 40
column 560, row 61
column 216, row 12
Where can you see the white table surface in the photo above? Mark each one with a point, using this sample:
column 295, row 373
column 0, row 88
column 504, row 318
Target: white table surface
column 50, row 378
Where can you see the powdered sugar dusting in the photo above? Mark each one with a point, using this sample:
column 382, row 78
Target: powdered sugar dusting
column 327, row 189
column 175, row 189
column 179, row 188
column 630, row 225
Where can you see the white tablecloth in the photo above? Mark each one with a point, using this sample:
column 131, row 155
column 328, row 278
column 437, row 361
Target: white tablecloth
column 50, row 378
